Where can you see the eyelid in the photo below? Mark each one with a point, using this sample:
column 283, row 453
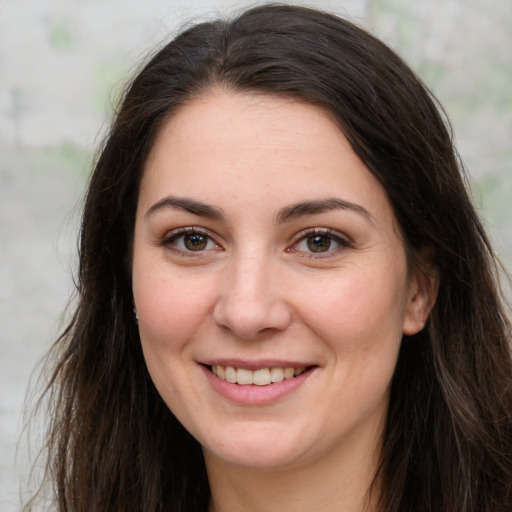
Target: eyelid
column 172, row 235
column 342, row 239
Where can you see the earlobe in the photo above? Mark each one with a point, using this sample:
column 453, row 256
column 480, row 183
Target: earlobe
column 424, row 286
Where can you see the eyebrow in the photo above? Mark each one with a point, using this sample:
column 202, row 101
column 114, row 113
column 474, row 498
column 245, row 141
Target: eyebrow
column 286, row 214
column 188, row 205
column 317, row 206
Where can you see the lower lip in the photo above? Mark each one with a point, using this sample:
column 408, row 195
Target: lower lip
column 251, row 394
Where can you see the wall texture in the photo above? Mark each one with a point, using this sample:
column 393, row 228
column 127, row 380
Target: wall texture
column 62, row 65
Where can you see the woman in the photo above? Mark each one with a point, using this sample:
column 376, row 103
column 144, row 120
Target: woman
column 286, row 299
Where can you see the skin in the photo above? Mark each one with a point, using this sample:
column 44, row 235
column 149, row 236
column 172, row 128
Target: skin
column 255, row 291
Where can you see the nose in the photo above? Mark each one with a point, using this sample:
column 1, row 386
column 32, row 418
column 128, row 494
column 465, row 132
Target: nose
column 251, row 299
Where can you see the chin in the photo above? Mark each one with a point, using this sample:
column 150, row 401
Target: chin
column 268, row 449
column 269, row 459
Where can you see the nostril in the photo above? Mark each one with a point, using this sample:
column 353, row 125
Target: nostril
column 252, row 315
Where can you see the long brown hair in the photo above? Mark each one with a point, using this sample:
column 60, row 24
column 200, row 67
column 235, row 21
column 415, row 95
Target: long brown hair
column 447, row 446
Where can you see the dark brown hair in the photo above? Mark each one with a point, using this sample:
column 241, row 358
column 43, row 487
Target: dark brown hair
column 114, row 445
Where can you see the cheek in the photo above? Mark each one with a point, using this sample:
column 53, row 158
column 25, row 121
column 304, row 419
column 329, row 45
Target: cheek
column 360, row 313
column 170, row 306
column 172, row 311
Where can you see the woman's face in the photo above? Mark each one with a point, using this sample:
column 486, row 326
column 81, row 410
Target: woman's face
column 270, row 281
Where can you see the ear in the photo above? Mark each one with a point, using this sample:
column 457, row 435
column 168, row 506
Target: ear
column 423, row 288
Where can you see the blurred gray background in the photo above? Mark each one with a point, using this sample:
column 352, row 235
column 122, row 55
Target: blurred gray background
column 62, row 66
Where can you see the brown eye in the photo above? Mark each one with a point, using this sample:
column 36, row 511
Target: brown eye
column 190, row 240
column 195, row 242
column 319, row 243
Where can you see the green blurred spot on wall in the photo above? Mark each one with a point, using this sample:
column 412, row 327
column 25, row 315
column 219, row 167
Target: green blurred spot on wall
column 62, row 34
column 109, row 80
column 65, row 160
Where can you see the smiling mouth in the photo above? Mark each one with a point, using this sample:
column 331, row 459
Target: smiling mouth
column 260, row 377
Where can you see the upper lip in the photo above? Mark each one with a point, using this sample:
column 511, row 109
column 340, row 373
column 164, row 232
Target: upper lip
column 256, row 364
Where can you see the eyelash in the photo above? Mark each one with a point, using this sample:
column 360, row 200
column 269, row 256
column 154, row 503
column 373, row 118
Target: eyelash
column 169, row 241
column 303, row 236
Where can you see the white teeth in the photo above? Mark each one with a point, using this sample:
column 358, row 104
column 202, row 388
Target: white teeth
column 230, row 374
column 277, row 374
column 261, row 377
column 244, row 376
column 288, row 373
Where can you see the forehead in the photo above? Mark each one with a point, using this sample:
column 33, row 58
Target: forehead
column 223, row 145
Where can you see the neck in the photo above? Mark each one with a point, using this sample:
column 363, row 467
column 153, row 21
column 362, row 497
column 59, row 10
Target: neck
column 335, row 482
